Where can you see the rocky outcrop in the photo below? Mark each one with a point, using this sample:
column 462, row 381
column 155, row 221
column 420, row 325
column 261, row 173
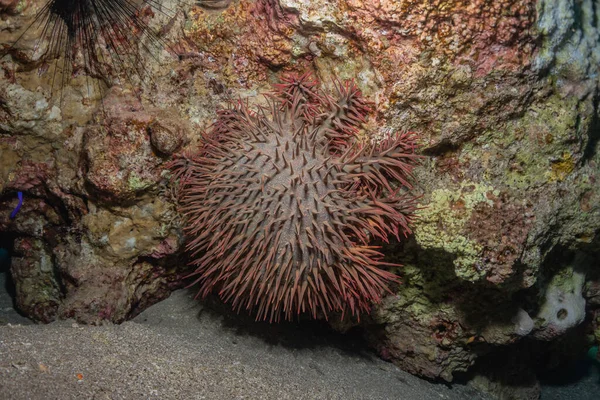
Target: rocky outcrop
column 96, row 237
column 503, row 96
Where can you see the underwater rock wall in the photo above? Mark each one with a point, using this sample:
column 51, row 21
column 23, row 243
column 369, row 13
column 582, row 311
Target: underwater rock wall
column 94, row 240
column 503, row 96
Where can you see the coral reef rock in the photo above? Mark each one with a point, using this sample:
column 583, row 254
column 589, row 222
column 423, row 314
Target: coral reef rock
column 503, row 97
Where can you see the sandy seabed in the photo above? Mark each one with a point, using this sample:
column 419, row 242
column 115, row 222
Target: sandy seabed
column 183, row 349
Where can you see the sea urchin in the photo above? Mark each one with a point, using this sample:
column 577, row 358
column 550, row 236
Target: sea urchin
column 100, row 37
column 280, row 209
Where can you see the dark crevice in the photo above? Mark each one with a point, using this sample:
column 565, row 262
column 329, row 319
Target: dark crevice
column 594, row 133
column 443, row 147
column 7, row 241
column 577, row 16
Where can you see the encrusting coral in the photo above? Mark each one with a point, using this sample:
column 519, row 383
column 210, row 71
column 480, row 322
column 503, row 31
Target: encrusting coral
column 280, row 211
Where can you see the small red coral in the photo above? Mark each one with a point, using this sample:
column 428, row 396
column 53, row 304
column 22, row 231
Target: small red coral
column 282, row 203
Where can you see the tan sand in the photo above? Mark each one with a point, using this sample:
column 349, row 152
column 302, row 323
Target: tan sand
column 180, row 349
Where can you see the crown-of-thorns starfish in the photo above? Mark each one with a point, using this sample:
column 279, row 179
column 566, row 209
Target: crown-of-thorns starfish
column 281, row 203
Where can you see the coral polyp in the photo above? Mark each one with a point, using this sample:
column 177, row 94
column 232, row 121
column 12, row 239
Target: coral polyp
column 282, row 203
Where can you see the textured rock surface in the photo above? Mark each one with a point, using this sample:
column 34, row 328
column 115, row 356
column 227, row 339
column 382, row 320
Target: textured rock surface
column 96, row 236
column 503, row 96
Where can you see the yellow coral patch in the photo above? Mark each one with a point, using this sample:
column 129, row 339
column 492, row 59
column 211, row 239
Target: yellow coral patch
column 562, row 167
